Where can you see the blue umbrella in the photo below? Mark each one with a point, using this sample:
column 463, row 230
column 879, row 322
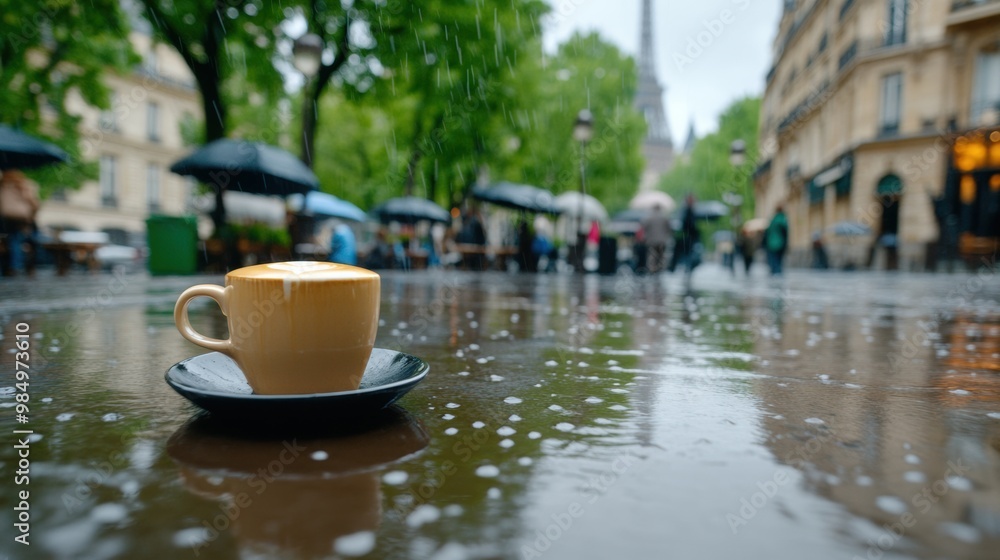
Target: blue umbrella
column 323, row 205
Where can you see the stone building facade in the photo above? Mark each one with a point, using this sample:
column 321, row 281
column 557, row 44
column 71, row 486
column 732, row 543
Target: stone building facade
column 884, row 113
column 135, row 142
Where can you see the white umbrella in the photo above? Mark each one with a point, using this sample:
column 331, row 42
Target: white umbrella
column 570, row 205
column 651, row 199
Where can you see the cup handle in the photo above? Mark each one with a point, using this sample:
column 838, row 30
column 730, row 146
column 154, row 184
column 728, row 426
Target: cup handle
column 218, row 293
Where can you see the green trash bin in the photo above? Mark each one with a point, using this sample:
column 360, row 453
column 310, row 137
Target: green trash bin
column 173, row 244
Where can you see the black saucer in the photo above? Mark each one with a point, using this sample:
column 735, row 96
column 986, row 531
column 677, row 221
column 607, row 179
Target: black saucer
column 214, row 382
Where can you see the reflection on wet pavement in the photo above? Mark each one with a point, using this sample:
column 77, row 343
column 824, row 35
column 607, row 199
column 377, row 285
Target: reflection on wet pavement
column 817, row 416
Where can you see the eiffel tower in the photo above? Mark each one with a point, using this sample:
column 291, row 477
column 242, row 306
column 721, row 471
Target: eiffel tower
column 658, row 148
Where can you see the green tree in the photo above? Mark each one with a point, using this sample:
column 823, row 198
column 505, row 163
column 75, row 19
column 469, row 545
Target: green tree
column 452, row 83
column 586, row 72
column 708, row 174
column 229, row 42
column 50, row 52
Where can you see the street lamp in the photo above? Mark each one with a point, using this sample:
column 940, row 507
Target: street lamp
column 307, row 57
column 307, row 54
column 737, row 153
column 583, row 132
column 737, row 157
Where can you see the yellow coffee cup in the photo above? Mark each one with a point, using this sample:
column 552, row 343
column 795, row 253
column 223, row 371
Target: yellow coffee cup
column 294, row 327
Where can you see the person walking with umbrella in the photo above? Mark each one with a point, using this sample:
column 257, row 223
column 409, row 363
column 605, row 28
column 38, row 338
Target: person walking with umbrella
column 776, row 241
column 656, row 233
column 687, row 240
column 18, row 208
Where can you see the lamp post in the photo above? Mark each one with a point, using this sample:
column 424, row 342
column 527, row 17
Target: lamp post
column 737, row 157
column 583, row 132
column 307, row 56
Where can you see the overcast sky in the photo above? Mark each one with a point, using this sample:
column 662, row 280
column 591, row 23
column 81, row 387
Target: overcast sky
column 734, row 57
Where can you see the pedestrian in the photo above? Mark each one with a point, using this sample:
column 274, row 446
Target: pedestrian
column 472, row 233
column 747, row 242
column 381, row 254
column 18, row 208
column 656, row 233
column 776, row 241
column 343, row 247
column 687, row 240
column 821, row 260
column 527, row 259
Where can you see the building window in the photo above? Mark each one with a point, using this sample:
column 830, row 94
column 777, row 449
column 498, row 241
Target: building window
column 153, row 187
column 150, row 61
column 892, row 102
column 153, row 122
column 895, row 27
column 108, row 121
column 986, row 88
column 109, row 181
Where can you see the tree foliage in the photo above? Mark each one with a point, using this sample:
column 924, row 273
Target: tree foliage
column 708, row 173
column 52, row 53
column 587, row 72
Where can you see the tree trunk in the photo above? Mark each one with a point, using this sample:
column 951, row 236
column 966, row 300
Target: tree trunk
column 215, row 128
column 411, row 170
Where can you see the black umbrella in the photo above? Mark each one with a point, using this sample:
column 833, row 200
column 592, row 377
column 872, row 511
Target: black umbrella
column 23, row 151
column 250, row 167
column 409, row 210
column 518, row 197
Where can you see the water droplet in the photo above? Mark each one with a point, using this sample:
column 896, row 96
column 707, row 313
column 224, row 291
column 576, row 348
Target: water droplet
column 395, row 478
column 488, row 471
column 512, row 400
column 319, row 456
column 506, row 431
column 357, row 544
column 564, row 427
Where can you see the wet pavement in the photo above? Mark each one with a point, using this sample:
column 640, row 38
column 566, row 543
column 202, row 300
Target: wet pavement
column 837, row 415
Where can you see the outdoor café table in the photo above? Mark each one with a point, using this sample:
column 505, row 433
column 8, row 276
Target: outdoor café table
column 76, row 246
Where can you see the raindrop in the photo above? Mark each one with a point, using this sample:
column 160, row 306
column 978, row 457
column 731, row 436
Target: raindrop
column 593, row 400
column 814, row 421
column 452, row 405
column 506, row 431
column 959, row 483
column 512, row 400
column 358, row 544
column 960, row 532
column 448, row 417
column 451, row 431
column 556, row 408
column 395, row 478
column 65, row 416
column 916, row 477
column 551, row 363
column 514, row 418
column 891, row 504
column 111, row 417
column 478, row 425
column 494, row 493
column 319, row 456
column 534, row 435
column 564, row 427
column 488, row 471
column 496, row 378
column 507, row 443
